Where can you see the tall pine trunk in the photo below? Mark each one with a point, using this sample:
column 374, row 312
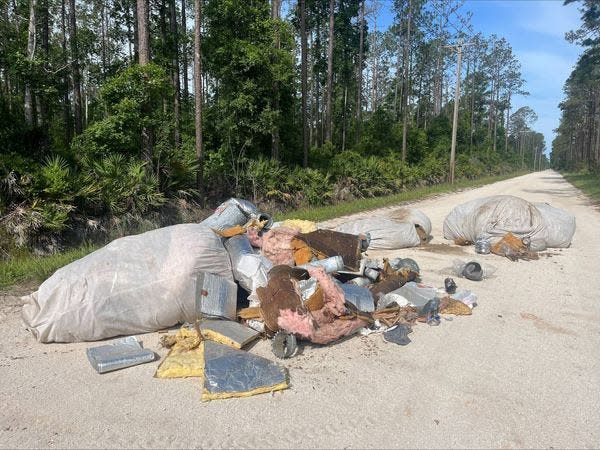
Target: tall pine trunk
column 329, row 114
column 144, row 58
column 304, row 81
column 275, row 139
column 406, row 83
column 175, row 72
column 75, row 72
column 317, row 81
column 198, row 97
column 42, row 108
column 31, row 45
column 359, row 87
column 184, row 56
column 66, row 100
column 136, row 33
column 143, row 32
column 374, row 98
column 506, row 126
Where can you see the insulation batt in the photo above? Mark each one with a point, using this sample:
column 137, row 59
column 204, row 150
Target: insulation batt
column 333, row 296
column 329, row 328
column 253, row 235
column 322, row 326
column 296, row 323
column 277, row 245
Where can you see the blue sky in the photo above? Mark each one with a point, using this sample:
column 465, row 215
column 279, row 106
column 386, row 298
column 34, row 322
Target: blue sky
column 535, row 30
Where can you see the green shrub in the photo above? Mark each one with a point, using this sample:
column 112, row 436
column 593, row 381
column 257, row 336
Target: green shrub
column 369, row 176
column 121, row 184
column 266, row 179
column 309, row 187
column 132, row 99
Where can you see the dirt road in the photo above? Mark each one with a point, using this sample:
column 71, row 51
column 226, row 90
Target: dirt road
column 522, row 372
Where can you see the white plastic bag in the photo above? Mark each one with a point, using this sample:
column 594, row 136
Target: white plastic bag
column 493, row 217
column 250, row 269
column 391, row 233
column 560, row 225
column 136, row 284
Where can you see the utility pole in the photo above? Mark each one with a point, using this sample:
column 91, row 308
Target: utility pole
column 522, row 135
column 459, row 46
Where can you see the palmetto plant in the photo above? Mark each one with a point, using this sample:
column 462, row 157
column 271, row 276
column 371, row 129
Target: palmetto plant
column 123, row 185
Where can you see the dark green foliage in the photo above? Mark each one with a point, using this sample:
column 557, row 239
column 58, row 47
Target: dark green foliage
column 60, row 185
column 245, row 65
column 131, row 100
column 121, row 184
column 381, row 134
column 310, row 187
column 577, row 143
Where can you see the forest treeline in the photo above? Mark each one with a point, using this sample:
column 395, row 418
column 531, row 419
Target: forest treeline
column 116, row 114
column 577, row 142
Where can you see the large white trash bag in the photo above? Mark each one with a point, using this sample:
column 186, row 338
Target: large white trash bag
column 414, row 216
column 493, row 217
column 560, row 225
column 135, row 284
column 400, row 231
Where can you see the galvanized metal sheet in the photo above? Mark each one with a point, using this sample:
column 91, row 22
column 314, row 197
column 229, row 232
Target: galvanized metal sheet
column 215, row 296
column 359, row 296
column 229, row 371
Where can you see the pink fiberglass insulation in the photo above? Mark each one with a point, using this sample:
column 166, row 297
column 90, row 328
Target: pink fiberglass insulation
column 253, row 235
column 335, row 329
column 277, row 245
column 324, row 325
column 320, row 328
column 296, row 323
column 333, row 296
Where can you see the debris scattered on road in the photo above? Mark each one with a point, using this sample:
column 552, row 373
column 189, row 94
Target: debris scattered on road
column 472, row 270
column 237, row 276
column 398, row 334
column 450, row 285
column 126, row 352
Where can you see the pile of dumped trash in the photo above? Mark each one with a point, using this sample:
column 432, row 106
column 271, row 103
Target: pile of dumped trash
column 237, row 276
column 509, row 226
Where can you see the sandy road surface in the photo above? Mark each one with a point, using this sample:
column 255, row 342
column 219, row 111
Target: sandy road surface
column 522, row 371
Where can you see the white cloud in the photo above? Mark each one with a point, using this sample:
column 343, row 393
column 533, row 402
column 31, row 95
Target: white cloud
column 549, row 17
column 545, row 68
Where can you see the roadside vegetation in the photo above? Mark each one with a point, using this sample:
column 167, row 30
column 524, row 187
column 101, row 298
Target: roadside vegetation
column 24, row 268
column 319, row 214
column 588, row 182
column 29, row 270
column 576, row 147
